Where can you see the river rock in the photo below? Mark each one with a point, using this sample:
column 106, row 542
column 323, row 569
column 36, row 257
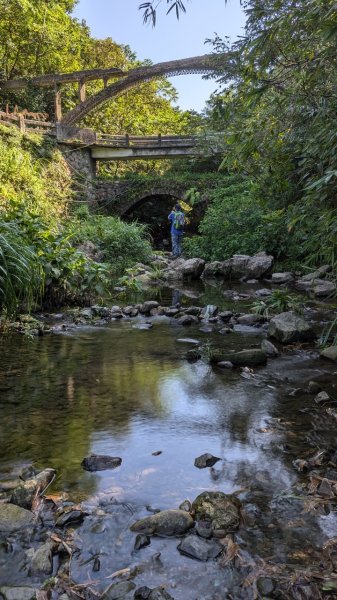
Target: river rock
column 70, row 515
column 330, row 353
column 223, row 510
column 147, row 306
column 171, row 312
column 206, row 460
column 142, row 541
column 130, row 311
column 120, row 591
column 187, row 320
column 142, row 593
column 282, row 277
column 193, row 310
column 288, row 327
column 41, row 559
column 204, row 529
column 25, row 493
column 262, row 293
column 116, row 312
column 185, row 269
column 13, row 517
column 17, row 593
column 269, row 349
column 213, row 269
column 250, row 319
column 199, row 548
column 225, row 315
column 244, row 358
column 100, row 462
column 321, row 398
column 101, row 311
column 242, row 265
column 166, row 523
column 323, row 288
column 320, row 272
column 185, row 505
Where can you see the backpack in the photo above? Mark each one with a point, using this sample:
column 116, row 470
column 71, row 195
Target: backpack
column 178, row 221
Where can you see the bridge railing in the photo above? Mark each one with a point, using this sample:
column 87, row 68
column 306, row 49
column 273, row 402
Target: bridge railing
column 127, row 141
column 23, row 123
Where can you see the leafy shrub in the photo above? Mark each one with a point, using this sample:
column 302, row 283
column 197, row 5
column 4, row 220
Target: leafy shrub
column 121, row 244
column 33, row 174
column 279, row 301
column 236, row 222
column 68, row 275
column 21, row 276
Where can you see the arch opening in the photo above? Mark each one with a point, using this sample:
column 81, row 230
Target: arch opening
column 152, row 210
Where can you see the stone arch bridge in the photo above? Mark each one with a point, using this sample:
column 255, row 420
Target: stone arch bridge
column 120, row 199
column 122, row 81
column 83, row 147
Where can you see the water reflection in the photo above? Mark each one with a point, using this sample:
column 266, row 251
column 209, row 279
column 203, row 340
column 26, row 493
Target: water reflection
column 128, row 392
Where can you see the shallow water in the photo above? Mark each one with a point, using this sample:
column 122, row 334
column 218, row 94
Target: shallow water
column 127, row 392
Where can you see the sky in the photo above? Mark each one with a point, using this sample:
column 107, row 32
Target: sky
column 170, row 39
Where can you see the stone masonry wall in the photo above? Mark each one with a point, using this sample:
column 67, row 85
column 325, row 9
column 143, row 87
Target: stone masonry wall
column 83, row 170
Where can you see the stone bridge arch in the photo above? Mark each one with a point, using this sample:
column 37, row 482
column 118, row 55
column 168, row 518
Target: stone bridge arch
column 120, row 199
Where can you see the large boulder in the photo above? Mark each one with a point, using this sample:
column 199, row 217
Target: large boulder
column 242, row 265
column 223, row 510
column 191, row 268
column 288, row 327
column 214, row 269
column 14, row 517
column 166, row 523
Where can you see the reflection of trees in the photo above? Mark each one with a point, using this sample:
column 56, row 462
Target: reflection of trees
column 60, row 390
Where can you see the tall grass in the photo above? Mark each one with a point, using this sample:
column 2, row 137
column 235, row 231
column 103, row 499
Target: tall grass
column 21, row 278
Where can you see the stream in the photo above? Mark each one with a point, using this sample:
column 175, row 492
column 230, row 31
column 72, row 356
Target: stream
column 117, row 389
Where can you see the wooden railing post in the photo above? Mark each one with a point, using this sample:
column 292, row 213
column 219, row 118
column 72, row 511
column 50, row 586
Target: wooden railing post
column 22, row 125
column 58, row 104
column 127, row 140
column 159, row 139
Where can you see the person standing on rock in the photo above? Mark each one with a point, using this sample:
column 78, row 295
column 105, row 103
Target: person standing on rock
column 177, row 219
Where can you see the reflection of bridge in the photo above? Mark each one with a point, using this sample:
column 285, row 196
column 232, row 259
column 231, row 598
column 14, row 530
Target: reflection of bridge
column 122, row 81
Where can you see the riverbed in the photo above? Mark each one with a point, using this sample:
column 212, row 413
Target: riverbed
column 118, row 389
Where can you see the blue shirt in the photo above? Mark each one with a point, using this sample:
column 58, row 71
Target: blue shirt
column 174, row 231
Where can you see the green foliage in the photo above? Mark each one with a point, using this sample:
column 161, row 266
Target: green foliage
column 21, row 275
column 130, row 281
column 33, row 174
column 278, row 118
column 68, row 275
column 279, row 301
column 329, row 335
column 120, row 244
column 236, row 222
